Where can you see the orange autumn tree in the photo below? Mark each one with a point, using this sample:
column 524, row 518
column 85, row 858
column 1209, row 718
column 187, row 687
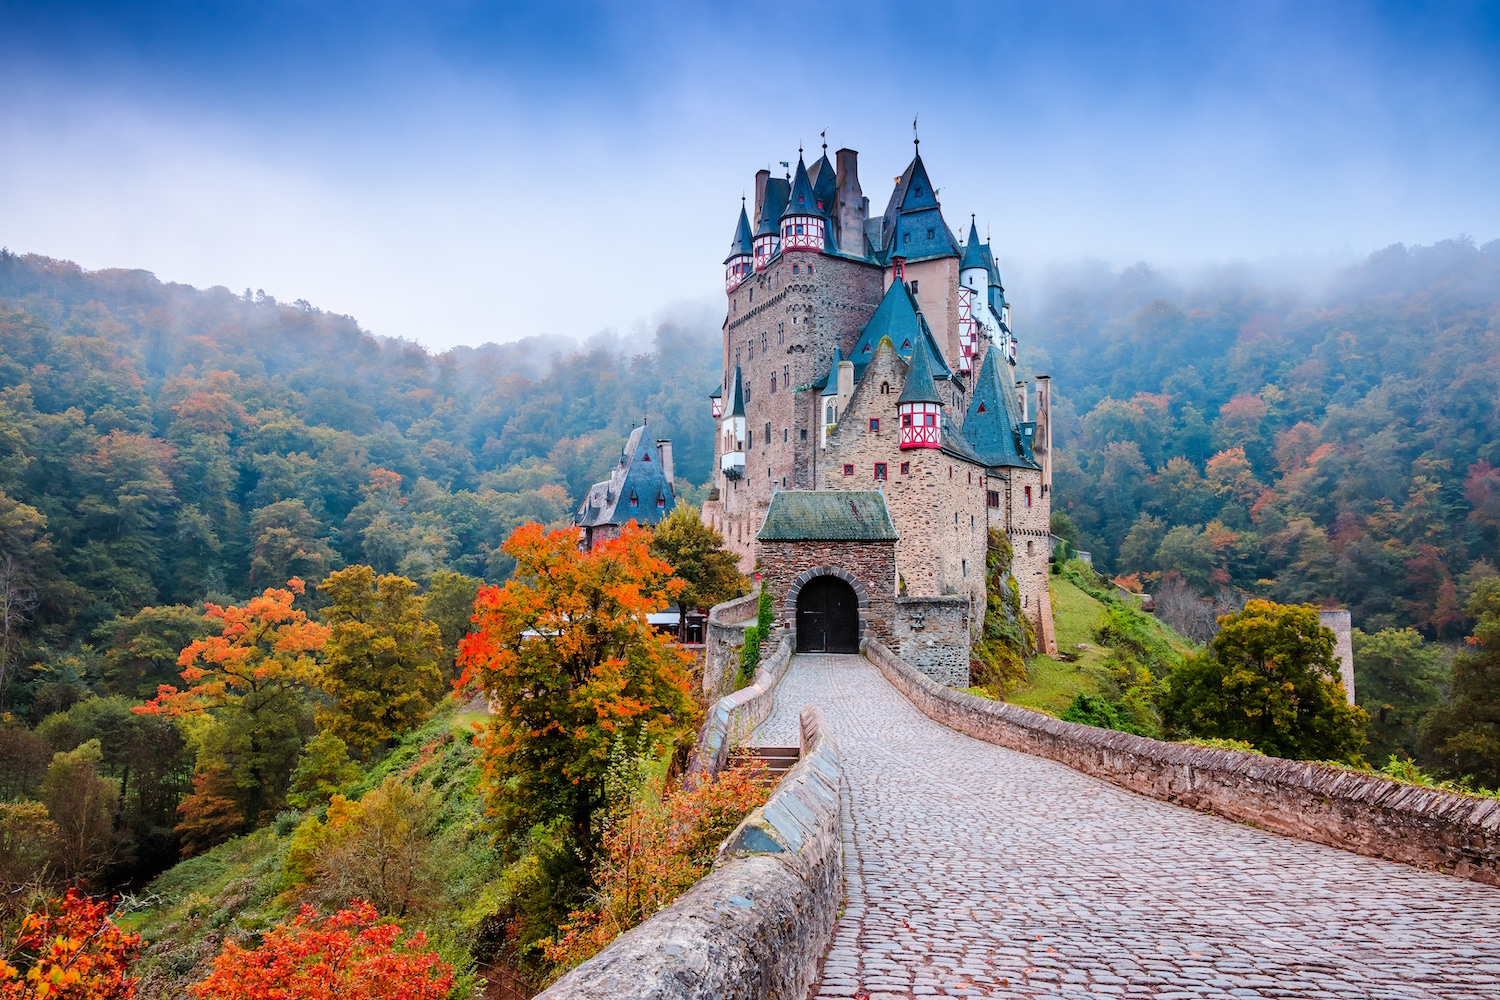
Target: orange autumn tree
column 348, row 955
column 252, row 678
column 572, row 667
column 68, row 950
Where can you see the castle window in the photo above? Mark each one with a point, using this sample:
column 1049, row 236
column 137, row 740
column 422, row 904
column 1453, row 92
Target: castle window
column 875, row 425
column 786, row 375
column 809, row 267
column 965, row 563
column 1028, row 496
column 848, row 469
column 1030, row 547
column 661, row 503
column 764, row 340
column 749, row 440
column 914, row 284
column 982, row 408
column 803, row 432
column 768, row 434
column 635, row 501
column 880, row 472
column 885, row 388
column 785, row 435
column 906, row 420
column 971, row 477
column 992, row 497
column 752, row 296
column 773, row 385
column 906, row 468
column 931, row 233
column 796, row 268
column 828, row 414
column 906, row 237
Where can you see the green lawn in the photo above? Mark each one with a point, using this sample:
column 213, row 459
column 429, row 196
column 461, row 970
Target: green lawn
column 1054, row 682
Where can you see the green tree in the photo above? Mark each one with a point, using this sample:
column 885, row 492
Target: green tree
column 1399, row 677
column 696, row 553
column 1463, row 737
column 380, row 666
column 325, row 767
column 82, row 803
column 1268, row 678
column 288, row 542
column 449, row 604
column 140, row 651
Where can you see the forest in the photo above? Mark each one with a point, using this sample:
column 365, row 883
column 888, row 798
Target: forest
column 262, row 572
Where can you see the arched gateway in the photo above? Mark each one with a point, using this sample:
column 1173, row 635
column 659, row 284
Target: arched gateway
column 827, row 617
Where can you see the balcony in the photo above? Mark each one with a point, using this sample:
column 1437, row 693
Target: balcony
column 732, row 464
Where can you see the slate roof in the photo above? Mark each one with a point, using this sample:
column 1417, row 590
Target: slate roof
column 919, row 387
column 897, row 318
column 912, row 212
column 777, row 191
column 831, row 387
column 825, row 183
column 828, row 516
column 974, row 251
column 736, row 396
column 802, row 201
column 744, row 243
column 637, row 475
column 990, row 426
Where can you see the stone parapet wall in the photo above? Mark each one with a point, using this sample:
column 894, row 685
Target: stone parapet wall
column 736, row 715
column 757, row 926
column 1367, row 814
column 932, row 634
column 722, row 638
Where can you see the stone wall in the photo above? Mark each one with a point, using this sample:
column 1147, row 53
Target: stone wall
column 758, row 925
column 722, row 638
column 1341, row 625
column 932, row 634
column 736, row 715
column 870, row 567
column 1363, row 813
column 1029, row 530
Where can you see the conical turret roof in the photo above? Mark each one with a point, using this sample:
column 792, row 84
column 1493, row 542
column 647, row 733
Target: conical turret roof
column 768, row 223
column 736, row 395
column 897, row 318
column 825, row 183
column 974, row 252
column 832, row 388
column 744, row 242
column 919, row 387
column 802, row 201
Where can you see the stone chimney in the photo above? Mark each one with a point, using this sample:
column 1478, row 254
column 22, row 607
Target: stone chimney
column 761, row 178
column 853, row 206
column 664, row 455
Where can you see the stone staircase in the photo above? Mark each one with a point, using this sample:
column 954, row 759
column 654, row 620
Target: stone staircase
column 778, row 760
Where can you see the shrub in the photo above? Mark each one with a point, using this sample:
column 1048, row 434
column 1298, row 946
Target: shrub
column 765, row 615
column 1000, row 650
column 1097, row 710
column 749, row 658
column 69, row 950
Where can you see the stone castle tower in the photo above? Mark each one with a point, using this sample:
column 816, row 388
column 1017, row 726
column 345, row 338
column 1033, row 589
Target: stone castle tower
column 875, row 354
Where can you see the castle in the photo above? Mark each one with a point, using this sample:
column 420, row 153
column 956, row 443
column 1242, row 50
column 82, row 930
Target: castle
column 871, row 428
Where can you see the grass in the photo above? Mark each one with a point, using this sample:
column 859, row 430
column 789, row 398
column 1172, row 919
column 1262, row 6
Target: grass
column 1054, row 682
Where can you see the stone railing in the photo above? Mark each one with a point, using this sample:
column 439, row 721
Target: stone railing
column 1367, row 814
column 736, row 715
column 723, row 636
column 757, row 926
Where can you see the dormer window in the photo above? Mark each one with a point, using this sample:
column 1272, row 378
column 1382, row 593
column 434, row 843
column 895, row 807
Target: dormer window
column 635, row 501
column 661, row 502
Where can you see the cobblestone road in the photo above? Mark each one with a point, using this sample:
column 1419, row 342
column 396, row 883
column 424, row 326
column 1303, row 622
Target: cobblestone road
column 972, row 870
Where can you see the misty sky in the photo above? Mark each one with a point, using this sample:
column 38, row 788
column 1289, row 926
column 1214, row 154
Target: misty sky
column 460, row 172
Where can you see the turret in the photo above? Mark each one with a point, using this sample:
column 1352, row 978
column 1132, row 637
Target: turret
column 920, row 407
column 716, row 402
column 973, row 299
column 835, row 395
column 771, row 194
column 732, row 431
column 803, row 223
column 738, row 265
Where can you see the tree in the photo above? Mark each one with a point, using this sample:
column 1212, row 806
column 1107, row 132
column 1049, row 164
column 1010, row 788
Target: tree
column 1269, row 679
column 82, row 803
column 571, row 664
column 289, row 542
column 251, row 678
column 380, row 662
column 325, row 767
column 28, row 843
column 348, row 955
column 69, row 949
column 449, row 605
column 1399, row 678
column 140, row 652
column 1463, row 736
column 695, row 551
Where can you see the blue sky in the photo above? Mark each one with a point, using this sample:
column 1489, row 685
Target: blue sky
column 460, row 172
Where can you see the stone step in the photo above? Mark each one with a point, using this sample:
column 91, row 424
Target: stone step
column 778, row 760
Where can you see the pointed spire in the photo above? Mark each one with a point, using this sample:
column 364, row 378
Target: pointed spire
column 974, row 251
column 832, row 388
column 919, row 386
column 802, row 201
column 736, row 395
column 990, row 426
column 744, row 242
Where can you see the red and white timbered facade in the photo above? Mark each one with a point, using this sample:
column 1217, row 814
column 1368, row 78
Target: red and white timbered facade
column 802, row 232
column 921, row 425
